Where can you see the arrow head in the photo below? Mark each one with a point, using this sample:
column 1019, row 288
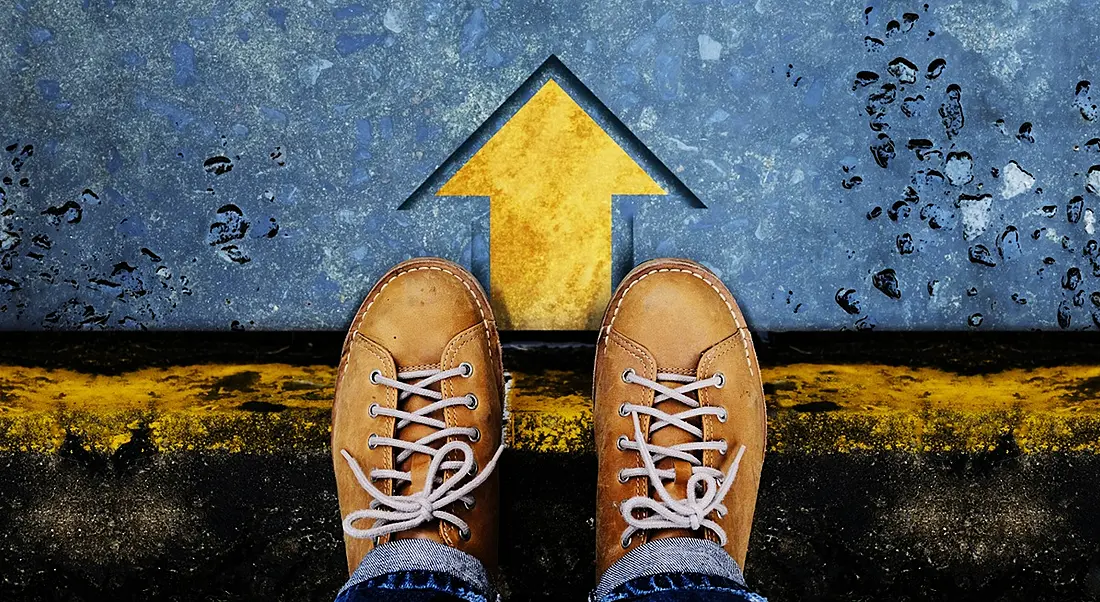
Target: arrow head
column 551, row 143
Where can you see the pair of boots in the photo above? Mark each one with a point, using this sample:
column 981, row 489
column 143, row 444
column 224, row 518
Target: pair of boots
column 416, row 435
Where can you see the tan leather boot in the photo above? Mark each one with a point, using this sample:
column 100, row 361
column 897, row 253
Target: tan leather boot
column 680, row 417
column 416, row 425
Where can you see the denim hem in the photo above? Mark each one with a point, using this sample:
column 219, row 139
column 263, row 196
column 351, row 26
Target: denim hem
column 396, row 586
column 670, row 555
column 405, row 555
column 657, row 587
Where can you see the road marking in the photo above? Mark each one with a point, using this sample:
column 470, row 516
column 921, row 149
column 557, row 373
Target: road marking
column 813, row 408
column 550, row 173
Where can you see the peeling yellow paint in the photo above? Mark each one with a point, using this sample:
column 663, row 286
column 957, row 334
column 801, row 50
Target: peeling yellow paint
column 548, row 413
column 185, row 407
column 550, row 172
column 813, row 408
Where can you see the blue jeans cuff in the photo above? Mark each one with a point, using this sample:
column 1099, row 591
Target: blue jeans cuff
column 667, row 587
column 419, row 557
column 404, row 586
column 666, row 556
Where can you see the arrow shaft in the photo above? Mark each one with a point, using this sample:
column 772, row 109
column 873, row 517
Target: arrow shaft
column 550, row 258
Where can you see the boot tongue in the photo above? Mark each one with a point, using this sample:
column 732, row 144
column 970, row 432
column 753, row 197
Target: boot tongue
column 417, row 464
column 669, row 436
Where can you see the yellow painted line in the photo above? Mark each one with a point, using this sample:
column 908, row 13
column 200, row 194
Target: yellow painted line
column 925, row 409
column 813, row 408
column 549, row 173
column 551, row 411
column 211, row 407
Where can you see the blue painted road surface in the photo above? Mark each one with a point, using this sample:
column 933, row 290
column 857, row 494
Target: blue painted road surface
column 889, row 165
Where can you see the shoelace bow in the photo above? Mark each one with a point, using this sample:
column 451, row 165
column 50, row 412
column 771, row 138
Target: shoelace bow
column 393, row 513
column 668, row 512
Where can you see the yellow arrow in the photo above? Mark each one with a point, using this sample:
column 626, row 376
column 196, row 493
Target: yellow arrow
column 550, row 173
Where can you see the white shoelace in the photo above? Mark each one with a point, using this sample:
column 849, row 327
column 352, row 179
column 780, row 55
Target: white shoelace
column 393, row 513
column 668, row 512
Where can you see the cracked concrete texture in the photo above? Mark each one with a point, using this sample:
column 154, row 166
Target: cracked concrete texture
column 331, row 115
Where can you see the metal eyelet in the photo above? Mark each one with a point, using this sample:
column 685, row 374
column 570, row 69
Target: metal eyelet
column 465, row 534
column 725, row 446
column 373, row 410
column 471, row 401
column 625, row 541
column 723, row 416
column 623, row 478
column 622, row 410
column 628, row 374
column 471, row 505
column 467, row 368
column 721, row 380
column 374, row 375
column 476, row 436
column 370, row 441
column 621, row 442
column 474, row 469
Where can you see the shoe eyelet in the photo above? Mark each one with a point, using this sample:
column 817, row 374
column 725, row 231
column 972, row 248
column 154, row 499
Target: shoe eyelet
column 621, row 442
column 721, row 380
column 467, row 369
column 623, row 478
column 476, row 436
column 370, row 441
column 622, row 410
column 374, row 375
column 724, row 416
column 628, row 374
column 625, row 541
column 465, row 534
column 373, row 410
column 471, row 505
column 474, row 469
column 471, row 401
column 725, row 446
